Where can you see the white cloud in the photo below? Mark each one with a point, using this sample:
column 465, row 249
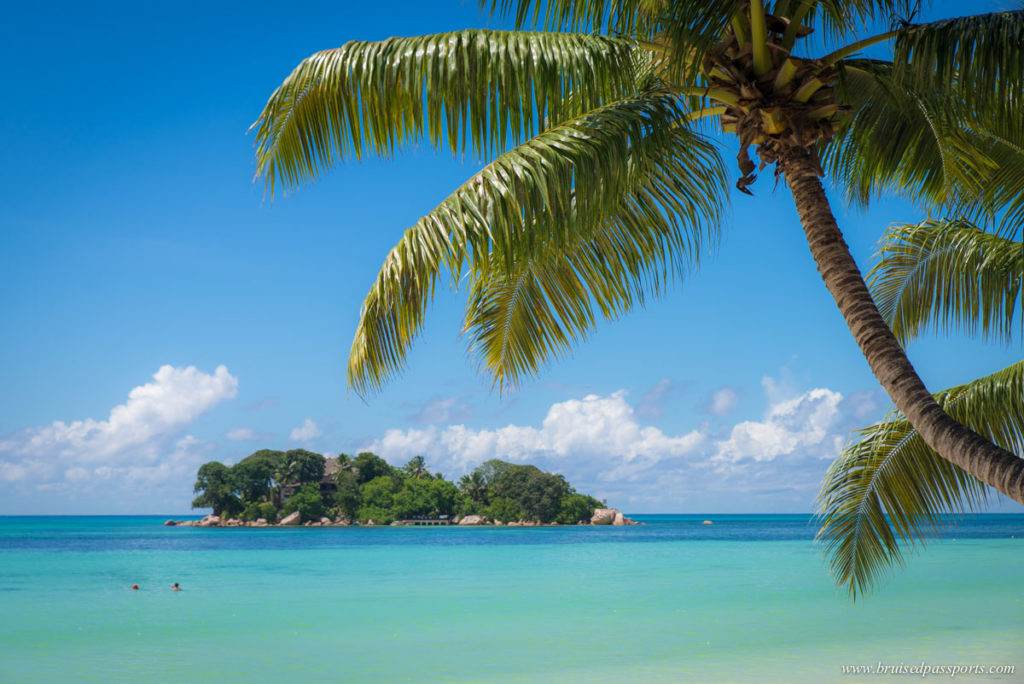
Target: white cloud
column 241, row 434
column 603, row 447
column 175, row 399
column 723, row 401
column 801, row 424
column 130, row 447
column 601, row 432
column 306, row 432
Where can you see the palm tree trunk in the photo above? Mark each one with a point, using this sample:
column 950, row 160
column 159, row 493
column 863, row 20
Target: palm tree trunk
column 992, row 465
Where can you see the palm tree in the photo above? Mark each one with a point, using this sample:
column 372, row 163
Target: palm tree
column 888, row 485
column 602, row 185
column 474, row 485
column 289, row 471
column 416, row 468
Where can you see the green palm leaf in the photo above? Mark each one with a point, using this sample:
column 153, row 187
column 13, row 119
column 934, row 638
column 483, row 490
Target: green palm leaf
column 696, row 21
column 948, row 275
column 477, row 87
column 941, row 122
column 1000, row 201
column 888, row 486
column 914, row 142
column 623, row 17
column 976, row 60
column 685, row 29
column 570, row 185
column 519, row 320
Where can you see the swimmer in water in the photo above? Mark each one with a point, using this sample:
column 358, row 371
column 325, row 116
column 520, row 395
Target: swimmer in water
column 135, row 587
column 175, row 587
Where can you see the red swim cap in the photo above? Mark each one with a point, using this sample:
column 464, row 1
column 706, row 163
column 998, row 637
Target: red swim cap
column 135, row 586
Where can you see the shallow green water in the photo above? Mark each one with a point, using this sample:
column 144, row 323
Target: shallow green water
column 747, row 599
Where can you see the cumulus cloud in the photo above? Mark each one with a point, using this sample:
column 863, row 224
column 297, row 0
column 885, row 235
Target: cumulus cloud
column 175, row 398
column 306, row 432
column 603, row 446
column 600, row 430
column 801, row 424
column 140, row 442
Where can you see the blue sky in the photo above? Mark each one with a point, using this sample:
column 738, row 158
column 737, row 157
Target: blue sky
column 159, row 313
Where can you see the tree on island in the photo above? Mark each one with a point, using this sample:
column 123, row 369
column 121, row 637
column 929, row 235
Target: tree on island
column 301, row 466
column 508, row 491
column 520, row 492
column 217, row 489
column 888, row 485
column 307, row 501
column 370, row 466
column 611, row 190
column 255, row 474
column 417, row 467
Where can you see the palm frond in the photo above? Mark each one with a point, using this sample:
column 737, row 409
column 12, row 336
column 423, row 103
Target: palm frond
column 620, row 17
column 897, row 139
column 948, row 275
column 481, row 88
column 519, row 320
column 888, row 486
column 688, row 28
column 692, row 20
column 978, row 60
column 553, row 192
column 1000, row 201
column 840, row 18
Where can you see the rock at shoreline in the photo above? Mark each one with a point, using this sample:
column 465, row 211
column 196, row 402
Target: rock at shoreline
column 292, row 520
column 609, row 516
column 473, row 520
column 210, row 521
column 325, row 520
column 260, row 522
column 170, row 523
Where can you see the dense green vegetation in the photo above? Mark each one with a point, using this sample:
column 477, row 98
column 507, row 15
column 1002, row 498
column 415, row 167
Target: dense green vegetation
column 271, row 484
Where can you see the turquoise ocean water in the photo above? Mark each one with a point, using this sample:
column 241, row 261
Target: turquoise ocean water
column 744, row 600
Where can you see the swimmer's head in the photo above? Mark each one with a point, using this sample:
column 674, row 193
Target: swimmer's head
column 135, row 587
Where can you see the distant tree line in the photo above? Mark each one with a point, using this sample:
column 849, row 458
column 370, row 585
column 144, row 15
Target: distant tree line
column 366, row 487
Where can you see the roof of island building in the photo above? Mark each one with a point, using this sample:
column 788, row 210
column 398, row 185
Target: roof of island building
column 331, row 467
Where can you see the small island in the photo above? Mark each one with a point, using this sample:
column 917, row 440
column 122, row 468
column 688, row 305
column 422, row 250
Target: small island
column 299, row 487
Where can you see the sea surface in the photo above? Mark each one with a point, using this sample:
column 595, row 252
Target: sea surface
column 747, row 599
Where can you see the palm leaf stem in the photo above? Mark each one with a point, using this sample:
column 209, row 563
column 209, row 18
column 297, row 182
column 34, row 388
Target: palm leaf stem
column 759, row 39
column 844, row 52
